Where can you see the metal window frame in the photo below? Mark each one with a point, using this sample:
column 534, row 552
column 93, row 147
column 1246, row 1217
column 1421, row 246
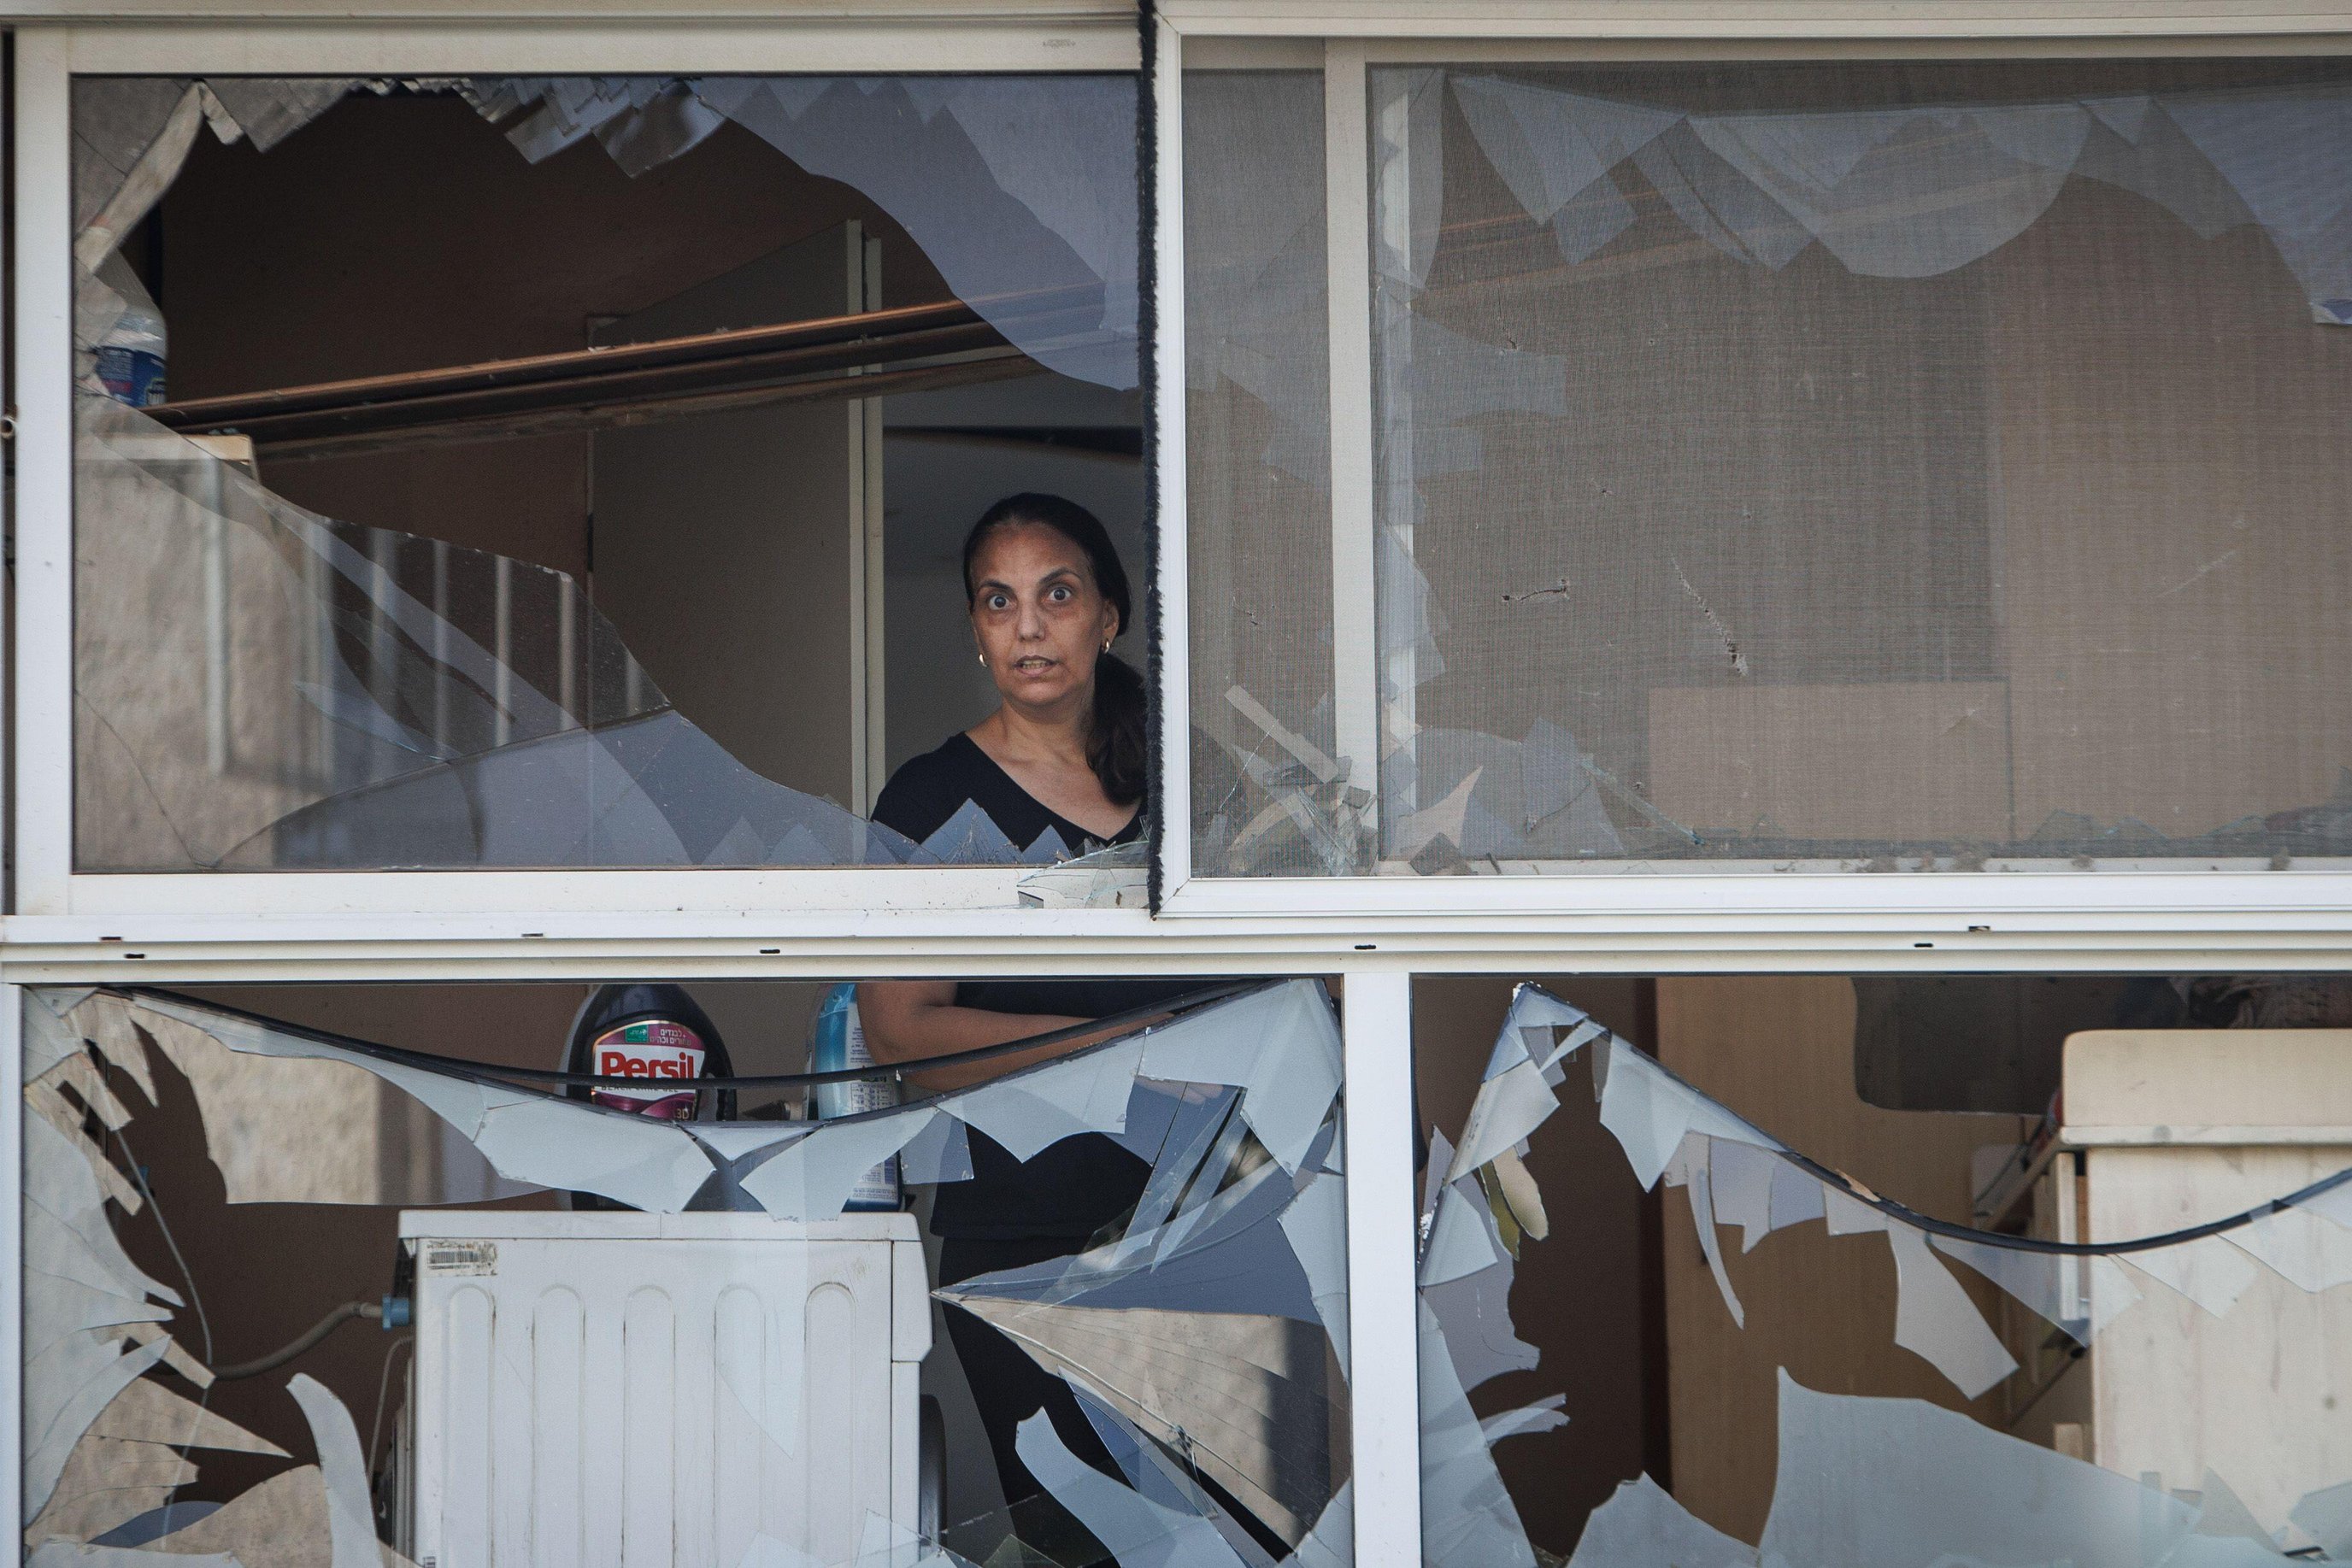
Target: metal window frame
column 47, row 57
column 568, row 925
column 2037, row 907
column 12, row 1257
column 1375, row 932
column 1710, row 919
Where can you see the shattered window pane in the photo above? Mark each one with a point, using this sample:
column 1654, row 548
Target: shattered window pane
column 1907, row 1337
column 1085, row 1309
column 512, row 508
column 1862, row 464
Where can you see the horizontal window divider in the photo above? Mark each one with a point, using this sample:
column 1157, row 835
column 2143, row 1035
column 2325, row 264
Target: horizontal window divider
column 1741, row 28
column 731, row 892
column 293, row 37
column 2152, row 895
column 188, row 949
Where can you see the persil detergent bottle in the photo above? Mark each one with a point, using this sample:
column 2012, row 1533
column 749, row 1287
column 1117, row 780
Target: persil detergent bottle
column 837, row 1042
column 651, row 1032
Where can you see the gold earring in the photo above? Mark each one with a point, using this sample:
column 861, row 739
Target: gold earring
column 984, row 660
column 1107, row 643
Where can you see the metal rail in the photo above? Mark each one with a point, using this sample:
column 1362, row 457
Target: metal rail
column 940, row 343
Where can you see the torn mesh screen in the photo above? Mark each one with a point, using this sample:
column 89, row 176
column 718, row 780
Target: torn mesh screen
column 1858, row 460
column 1848, row 1380
column 1258, row 475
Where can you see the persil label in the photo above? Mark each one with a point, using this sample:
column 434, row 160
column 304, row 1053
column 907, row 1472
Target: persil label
column 653, row 1049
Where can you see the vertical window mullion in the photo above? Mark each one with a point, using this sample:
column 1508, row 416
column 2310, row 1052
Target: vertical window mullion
column 12, row 1247
column 1348, row 207
column 42, row 751
column 1166, row 525
column 1384, row 1354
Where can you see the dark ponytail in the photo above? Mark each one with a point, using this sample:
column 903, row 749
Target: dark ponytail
column 1117, row 740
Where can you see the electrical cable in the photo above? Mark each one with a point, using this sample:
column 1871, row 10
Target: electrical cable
column 382, row 1386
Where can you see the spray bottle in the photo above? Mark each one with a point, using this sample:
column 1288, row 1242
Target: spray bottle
column 130, row 355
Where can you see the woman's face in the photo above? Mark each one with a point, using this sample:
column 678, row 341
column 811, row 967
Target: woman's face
column 1038, row 616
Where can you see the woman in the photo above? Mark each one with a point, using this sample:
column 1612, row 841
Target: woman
column 1064, row 750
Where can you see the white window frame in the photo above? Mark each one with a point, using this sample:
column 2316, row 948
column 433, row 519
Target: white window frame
column 1639, row 916
column 1383, row 1302
column 69, row 927
column 2151, row 899
column 1374, row 932
column 48, row 57
column 11, row 1255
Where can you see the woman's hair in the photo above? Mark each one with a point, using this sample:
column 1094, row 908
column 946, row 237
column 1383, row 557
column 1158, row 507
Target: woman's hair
column 1116, row 746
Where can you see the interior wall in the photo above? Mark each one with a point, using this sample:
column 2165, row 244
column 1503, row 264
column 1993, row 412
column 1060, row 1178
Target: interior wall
column 265, row 1272
column 2173, row 491
column 946, row 457
column 1978, row 1042
column 1585, row 1297
column 725, row 541
column 404, row 232
column 1779, row 1052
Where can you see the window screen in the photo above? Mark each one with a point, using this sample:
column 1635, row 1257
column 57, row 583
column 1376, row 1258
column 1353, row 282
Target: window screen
column 1689, row 1301
column 1268, row 795
column 1863, row 461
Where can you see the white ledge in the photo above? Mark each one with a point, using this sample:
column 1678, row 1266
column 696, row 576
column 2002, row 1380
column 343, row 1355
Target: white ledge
column 186, row 949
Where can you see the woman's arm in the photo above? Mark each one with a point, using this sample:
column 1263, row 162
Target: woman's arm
column 911, row 1021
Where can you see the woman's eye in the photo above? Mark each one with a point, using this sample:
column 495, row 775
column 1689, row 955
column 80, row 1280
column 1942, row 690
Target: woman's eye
column 998, row 601
column 1059, row 595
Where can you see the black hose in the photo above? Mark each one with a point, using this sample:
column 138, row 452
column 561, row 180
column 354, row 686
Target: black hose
column 1927, row 1223
column 309, row 1338
column 484, row 1071
column 2000, row 1238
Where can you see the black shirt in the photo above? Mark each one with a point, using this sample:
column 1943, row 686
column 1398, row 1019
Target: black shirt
column 930, row 789
column 1072, row 1187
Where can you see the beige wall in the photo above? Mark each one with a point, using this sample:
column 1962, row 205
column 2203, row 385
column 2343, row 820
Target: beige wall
column 2173, row 491
column 2164, row 488
column 1779, row 1051
column 150, row 790
column 267, row 1272
column 1586, row 1298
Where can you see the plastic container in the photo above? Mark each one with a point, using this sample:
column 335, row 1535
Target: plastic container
column 130, row 356
column 836, row 1042
column 652, row 1032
